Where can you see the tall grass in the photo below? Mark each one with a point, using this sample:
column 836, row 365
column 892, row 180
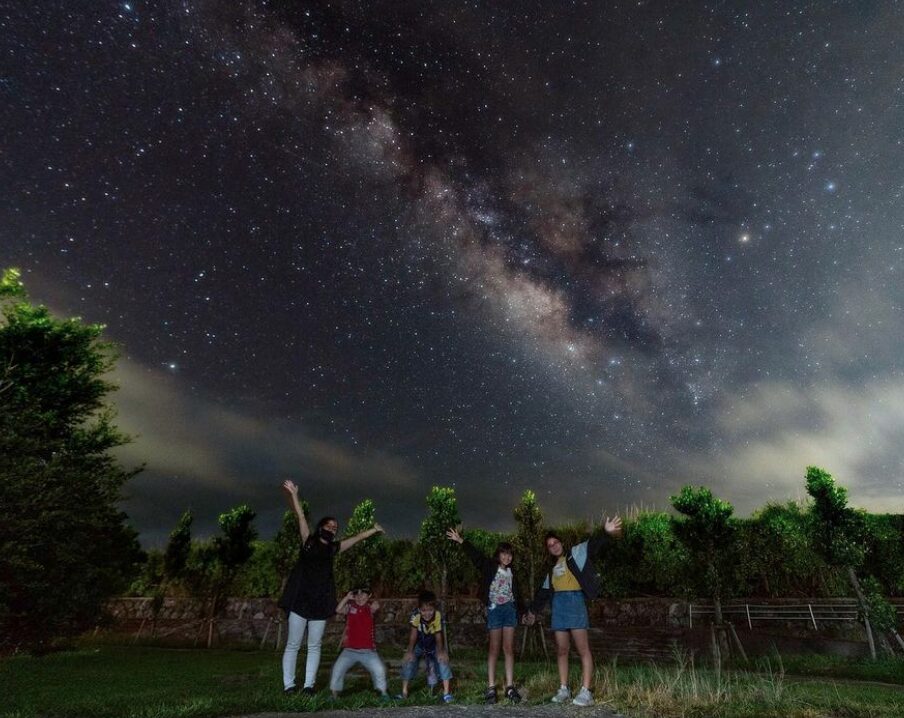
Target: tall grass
column 684, row 689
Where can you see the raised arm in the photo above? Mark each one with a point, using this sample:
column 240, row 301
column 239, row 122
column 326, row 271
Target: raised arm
column 342, row 608
column 291, row 491
column 612, row 529
column 347, row 543
column 471, row 551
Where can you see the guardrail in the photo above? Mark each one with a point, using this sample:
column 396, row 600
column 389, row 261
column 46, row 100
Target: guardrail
column 812, row 612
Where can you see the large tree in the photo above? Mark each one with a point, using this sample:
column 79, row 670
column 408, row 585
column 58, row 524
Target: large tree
column 528, row 540
column 441, row 554
column 64, row 544
column 362, row 565
column 839, row 535
column 213, row 566
column 708, row 534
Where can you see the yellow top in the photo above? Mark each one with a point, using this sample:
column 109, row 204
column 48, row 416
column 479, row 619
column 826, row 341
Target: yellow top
column 562, row 578
column 435, row 625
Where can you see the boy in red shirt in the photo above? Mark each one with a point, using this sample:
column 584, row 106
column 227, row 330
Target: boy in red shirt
column 358, row 645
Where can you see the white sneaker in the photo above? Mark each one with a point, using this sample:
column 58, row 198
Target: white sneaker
column 583, row 698
column 562, row 695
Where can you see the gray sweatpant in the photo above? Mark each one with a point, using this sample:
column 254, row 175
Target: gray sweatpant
column 367, row 658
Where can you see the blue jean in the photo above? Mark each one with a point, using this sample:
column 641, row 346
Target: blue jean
column 501, row 615
column 441, row 669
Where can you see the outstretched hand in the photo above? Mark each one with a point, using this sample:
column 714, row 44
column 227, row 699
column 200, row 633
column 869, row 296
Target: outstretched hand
column 613, row 526
column 290, row 488
column 453, row 535
column 378, row 529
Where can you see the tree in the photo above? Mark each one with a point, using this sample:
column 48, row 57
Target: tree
column 528, row 540
column 288, row 544
column 178, row 548
column 361, row 564
column 212, row 568
column 441, row 554
column 64, row 546
column 708, row 535
column 403, row 571
column 778, row 558
column 837, row 532
column 649, row 558
column 169, row 568
column 885, row 551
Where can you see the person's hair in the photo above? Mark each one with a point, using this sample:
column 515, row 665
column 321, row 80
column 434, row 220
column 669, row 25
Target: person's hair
column 362, row 587
column 504, row 547
column 324, row 521
column 552, row 534
column 426, row 598
column 315, row 534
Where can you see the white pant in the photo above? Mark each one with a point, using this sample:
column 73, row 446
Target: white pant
column 297, row 624
column 367, row 658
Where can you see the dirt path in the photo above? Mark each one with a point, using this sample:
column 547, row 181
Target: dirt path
column 458, row 711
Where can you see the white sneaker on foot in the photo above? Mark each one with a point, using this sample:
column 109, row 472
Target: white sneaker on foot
column 583, row 698
column 562, row 695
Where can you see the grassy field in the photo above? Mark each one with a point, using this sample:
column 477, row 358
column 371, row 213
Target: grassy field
column 142, row 682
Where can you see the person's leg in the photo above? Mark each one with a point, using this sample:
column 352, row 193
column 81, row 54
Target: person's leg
column 563, row 646
column 344, row 661
column 493, row 655
column 315, row 638
column 374, row 665
column 582, row 644
column 409, row 671
column 293, row 644
column 508, row 651
column 444, row 671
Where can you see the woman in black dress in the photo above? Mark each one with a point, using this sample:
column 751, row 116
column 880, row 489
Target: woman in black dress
column 309, row 598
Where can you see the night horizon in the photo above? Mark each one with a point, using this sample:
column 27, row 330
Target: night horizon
column 599, row 253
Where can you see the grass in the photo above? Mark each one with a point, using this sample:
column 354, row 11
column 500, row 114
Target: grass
column 146, row 682
column 884, row 670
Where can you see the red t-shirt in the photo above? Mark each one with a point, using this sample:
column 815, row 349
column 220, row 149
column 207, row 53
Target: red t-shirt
column 359, row 627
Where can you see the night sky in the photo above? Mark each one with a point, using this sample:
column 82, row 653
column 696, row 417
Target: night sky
column 597, row 249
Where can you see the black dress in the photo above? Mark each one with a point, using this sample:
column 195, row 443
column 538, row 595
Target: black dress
column 311, row 589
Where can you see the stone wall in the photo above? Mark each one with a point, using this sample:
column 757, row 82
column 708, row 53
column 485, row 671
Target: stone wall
column 639, row 628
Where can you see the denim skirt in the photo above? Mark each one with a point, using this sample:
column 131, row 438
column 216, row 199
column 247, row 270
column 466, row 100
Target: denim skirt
column 569, row 610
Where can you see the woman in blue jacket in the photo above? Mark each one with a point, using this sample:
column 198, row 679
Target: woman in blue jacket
column 571, row 582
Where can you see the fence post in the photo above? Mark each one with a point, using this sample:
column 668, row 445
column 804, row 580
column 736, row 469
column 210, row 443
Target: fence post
column 749, row 622
column 690, row 614
column 813, row 617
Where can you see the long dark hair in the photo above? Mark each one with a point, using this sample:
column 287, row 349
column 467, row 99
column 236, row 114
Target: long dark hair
column 315, row 534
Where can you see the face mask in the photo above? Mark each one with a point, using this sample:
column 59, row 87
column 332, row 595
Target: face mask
column 327, row 535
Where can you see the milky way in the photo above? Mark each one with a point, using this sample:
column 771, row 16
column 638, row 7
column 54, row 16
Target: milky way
column 592, row 249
